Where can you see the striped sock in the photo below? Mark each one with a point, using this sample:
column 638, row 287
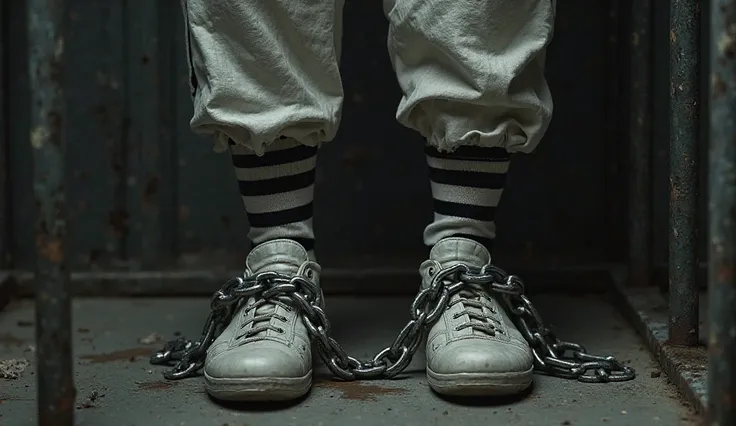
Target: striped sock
column 278, row 191
column 466, row 187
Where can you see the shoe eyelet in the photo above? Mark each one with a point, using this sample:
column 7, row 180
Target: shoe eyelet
column 431, row 271
column 310, row 274
column 280, row 330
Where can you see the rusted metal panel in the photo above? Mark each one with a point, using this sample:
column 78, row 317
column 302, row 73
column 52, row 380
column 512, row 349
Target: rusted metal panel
column 684, row 154
column 46, row 44
column 95, row 90
column 148, row 195
column 640, row 110
column 4, row 143
column 616, row 180
column 148, row 132
column 722, row 215
column 18, row 128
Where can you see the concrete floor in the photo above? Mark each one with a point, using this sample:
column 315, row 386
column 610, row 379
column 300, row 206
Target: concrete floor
column 111, row 362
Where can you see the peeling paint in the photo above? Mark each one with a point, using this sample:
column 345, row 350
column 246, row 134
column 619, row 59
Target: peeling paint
column 38, row 137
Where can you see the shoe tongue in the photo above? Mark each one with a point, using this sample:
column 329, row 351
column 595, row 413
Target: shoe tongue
column 283, row 256
column 451, row 251
column 455, row 250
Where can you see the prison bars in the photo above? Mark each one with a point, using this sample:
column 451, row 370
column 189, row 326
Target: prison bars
column 684, row 161
column 55, row 381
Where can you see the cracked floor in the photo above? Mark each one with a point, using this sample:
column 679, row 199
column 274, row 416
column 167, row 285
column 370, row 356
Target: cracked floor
column 117, row 387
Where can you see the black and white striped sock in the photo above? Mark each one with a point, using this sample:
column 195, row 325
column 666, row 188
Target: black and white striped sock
column 467, row 185
column 278, row 191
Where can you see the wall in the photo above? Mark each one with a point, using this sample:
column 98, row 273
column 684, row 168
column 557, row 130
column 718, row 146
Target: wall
column 144, row 193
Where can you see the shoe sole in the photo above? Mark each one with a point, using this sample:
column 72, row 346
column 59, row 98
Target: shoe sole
column 258, row 388
column 480, row 384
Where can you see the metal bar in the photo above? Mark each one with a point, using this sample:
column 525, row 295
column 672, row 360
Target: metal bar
column 56, row 393
column 722, row 216
column 684, row 135
column 640, row 143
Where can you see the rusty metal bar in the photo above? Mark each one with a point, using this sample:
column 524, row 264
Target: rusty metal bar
column 684, row 135
column 640, row 143
column 56, row 393
column 722, row 216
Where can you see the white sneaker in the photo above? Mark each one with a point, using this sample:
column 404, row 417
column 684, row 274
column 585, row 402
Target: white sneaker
column 473, row 349
column 264, row 354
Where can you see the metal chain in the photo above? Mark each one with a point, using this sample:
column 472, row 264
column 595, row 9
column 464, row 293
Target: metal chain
column 551, row 355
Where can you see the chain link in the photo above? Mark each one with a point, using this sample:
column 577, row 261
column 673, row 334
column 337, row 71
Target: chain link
column 551, row 355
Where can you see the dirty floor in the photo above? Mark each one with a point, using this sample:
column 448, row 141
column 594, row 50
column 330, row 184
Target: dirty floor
column 117, row 387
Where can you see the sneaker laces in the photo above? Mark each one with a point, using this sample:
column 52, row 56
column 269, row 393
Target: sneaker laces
column 265, row 312
column 473, row 299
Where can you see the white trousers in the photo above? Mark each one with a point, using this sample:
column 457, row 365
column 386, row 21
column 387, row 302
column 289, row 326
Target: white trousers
column 471, row 71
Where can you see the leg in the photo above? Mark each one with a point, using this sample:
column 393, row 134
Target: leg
column 265, row 81
column 265, row 70
column 473, row 83
column 472, row 71
column 278, row 191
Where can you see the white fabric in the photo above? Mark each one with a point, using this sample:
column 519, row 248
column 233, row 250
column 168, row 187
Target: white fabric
column 471, row 71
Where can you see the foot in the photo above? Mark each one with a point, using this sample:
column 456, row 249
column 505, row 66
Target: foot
column 473, row 349
column 264, row 354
